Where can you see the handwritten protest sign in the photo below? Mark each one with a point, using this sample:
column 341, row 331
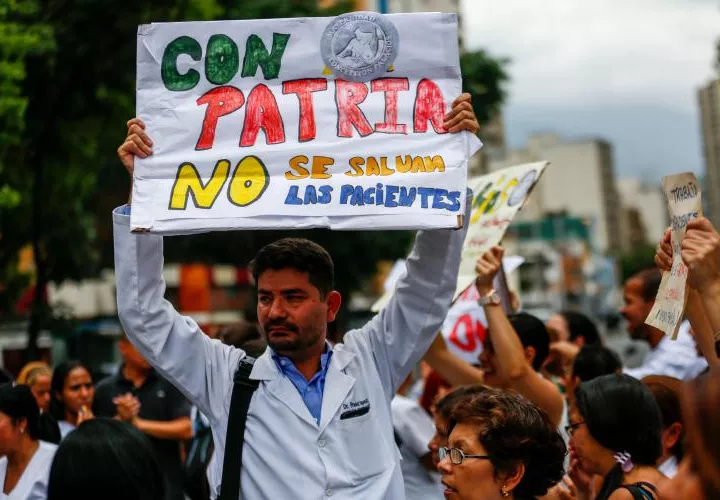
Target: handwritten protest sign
column 684, row 202
column 303, row 122
column 498, row 197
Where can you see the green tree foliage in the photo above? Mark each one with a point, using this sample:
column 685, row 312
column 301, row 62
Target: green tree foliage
column 484, row 78
column 21, row 37
column 638, row 259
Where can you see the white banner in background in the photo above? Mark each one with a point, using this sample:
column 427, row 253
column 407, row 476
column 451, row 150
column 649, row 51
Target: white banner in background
column 497, row 199
column 251, row 129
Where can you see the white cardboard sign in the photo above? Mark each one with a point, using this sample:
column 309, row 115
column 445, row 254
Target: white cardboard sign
column 497, row 198
column 253, row 129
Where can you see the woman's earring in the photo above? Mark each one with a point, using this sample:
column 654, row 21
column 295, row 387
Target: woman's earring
column 504, row 491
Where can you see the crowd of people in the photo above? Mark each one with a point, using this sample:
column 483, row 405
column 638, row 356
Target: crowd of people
column 546, row 412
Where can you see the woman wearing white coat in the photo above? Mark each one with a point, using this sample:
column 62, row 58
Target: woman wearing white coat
column 25, row 462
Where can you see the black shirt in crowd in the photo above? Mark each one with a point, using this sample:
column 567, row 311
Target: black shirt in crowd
column 159, row 400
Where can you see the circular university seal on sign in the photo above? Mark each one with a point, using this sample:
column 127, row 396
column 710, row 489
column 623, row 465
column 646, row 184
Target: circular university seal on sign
column 359, row 46
column 519, row 192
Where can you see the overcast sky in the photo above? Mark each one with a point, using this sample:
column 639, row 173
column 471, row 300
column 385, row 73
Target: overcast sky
column 624, row 70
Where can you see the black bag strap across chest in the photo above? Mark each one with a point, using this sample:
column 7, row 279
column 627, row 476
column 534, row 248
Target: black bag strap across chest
column 243, row 389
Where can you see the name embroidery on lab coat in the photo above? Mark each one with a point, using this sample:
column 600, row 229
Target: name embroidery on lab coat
column 353, row 409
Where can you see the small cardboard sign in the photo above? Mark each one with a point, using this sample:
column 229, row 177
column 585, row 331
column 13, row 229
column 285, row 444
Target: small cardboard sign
column 685, row 204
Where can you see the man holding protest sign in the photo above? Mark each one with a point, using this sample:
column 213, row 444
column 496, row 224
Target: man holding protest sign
column 655, row 302
column 319, row 424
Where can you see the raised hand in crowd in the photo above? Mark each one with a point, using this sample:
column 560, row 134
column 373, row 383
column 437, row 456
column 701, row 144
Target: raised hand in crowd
column 461, row 116
column 128, row 407
column 516, row 347
column 486, row 267
column 137, row 143
column 700, row 251
column 85, row 413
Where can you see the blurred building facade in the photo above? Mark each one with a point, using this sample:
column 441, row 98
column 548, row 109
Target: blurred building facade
column 580, row 181
column 644, row 213
column 709, row 102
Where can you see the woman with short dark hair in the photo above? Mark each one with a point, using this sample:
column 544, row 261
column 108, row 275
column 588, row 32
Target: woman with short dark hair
column 26, row 460
column 500, row 446
column 614, row 429
column 441, row 412
column 106, row 459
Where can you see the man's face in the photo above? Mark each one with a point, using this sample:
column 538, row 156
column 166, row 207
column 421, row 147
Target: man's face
column 132, row 357
column 636, row 309
column 291, row 311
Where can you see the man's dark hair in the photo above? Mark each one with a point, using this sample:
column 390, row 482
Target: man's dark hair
column 650, row 279
column 532, row 333
column 299, row 254
column 580, row 325
column 109, row 459
column 595, row 361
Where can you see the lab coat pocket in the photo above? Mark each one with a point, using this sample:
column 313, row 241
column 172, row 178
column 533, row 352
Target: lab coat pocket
column 366, row 453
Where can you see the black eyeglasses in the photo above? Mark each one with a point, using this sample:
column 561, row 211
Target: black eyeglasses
column 570, row 429
column 457, row 455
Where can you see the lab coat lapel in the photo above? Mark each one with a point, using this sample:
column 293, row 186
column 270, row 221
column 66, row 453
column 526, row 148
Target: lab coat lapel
column 337, row 386
column 280, row 386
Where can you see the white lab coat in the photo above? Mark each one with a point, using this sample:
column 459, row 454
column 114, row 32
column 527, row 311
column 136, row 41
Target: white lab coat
column 287, row 455
column 415, row 428
column 673, row 358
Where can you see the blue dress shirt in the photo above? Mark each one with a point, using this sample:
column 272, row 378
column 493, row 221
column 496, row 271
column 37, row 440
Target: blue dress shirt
column 310, row 391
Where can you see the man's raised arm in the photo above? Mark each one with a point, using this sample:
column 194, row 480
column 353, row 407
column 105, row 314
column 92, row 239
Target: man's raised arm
column 173, row 344
column 402, row 332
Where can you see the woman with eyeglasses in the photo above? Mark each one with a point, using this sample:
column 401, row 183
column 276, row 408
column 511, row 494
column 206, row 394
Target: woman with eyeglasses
column 614, row 428
column 441, row 417
column 500, row 446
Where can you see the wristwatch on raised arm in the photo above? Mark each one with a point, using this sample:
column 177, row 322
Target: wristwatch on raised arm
column 491, row 298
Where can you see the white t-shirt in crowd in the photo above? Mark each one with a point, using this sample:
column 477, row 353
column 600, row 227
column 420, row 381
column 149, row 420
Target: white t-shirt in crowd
column 673, row 358
column 415, row 429
column 65, row 428
column 669, row 467
column 34, row 480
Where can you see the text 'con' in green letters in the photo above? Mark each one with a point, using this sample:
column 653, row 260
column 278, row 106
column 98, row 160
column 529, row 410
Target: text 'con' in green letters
column 222, row 60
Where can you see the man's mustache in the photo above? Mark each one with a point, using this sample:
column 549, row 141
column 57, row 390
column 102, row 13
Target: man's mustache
column 280, row 324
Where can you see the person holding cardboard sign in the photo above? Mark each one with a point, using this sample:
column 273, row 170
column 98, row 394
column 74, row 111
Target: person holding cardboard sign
column 319, row 420
column 700, row 250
